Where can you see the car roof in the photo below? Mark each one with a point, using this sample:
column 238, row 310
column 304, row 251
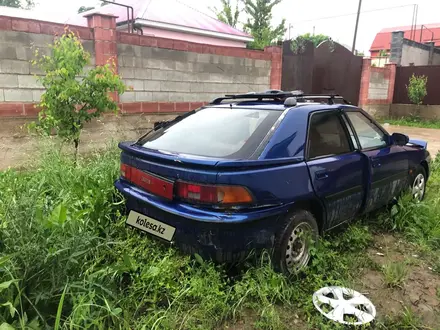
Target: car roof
column 288, row 137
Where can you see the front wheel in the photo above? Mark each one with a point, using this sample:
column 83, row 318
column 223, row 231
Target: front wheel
column 418, row 184
column 293, row 242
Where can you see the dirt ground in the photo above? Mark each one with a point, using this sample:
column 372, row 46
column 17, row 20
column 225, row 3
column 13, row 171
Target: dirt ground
column 428, row 134
column 418, row 291
column 18, row 148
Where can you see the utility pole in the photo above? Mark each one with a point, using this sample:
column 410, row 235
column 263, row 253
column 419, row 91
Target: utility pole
column 290, row 27
column 356, row 27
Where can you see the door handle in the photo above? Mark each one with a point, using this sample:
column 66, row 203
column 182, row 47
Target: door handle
column 320, row 175
column 375, row 162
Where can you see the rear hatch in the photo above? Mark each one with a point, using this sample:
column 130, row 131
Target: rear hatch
column 189, row 149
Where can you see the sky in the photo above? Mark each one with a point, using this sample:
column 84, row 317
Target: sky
column 307, row 15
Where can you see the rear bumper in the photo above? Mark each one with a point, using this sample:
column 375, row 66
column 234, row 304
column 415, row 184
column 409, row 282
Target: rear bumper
column 221, row 236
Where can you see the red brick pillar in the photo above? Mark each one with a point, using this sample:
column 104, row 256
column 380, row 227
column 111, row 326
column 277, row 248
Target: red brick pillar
column 104, row 32
column 276, row 67
column 365, row 81
column 392, row 72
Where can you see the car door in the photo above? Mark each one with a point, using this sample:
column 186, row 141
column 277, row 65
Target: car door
column 387, row 163
column 337, row 170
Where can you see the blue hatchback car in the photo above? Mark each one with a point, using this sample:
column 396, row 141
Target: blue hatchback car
column 260, row 171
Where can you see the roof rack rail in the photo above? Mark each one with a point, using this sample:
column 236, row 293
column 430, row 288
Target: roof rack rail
column 280, row 96
column 273, row 95
column 331, row 98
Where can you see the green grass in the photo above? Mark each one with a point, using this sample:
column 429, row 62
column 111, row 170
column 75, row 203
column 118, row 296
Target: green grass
column 395, row 273
column 405, row 320
column 412, row 122
column 67, row 260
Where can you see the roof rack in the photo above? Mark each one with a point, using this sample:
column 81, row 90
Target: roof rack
column 277, row 95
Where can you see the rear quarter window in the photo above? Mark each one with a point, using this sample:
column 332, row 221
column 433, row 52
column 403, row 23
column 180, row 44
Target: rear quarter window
column 215, row 132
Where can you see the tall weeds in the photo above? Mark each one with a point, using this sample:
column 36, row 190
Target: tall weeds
column 67, row 261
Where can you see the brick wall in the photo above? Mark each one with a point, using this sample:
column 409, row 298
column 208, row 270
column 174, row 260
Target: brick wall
column 377, row 88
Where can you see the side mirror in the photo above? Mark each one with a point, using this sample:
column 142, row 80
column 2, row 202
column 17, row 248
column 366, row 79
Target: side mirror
column 399, row 139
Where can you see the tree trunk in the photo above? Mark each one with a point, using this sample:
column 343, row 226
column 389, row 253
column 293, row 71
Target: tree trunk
column 76, row 141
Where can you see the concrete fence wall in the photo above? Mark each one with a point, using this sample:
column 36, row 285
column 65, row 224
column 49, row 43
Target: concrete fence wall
column 405, row 52
column 164, row 75
column 428, row 112
column 414, row 55
column 381, row 86
column 167, row 77
column 377, row 88
column 18, row 77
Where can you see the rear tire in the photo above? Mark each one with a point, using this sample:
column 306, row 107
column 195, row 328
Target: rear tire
column 293, row 242
column 418, row 183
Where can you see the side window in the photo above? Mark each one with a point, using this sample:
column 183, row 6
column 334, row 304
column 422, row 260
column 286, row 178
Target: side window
column 327, row 136
column 369, row 135
column 350, row 131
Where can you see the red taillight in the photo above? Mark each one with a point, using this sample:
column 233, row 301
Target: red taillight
column 198, row 193
column 148, row 181
column 126, row 171
column 205, row 194
column 213, row 194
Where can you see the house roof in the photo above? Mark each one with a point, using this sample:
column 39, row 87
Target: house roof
column 167, row 14
column 383, row 38
column 32, row 14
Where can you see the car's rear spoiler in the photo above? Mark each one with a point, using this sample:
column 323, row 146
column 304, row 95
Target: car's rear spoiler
column 419, row 143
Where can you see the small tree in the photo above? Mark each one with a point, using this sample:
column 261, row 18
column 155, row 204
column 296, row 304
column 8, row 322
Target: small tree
column 26, row 4
column 416, row 93
column 383, row 53
column 315, row 38
column 417, row 89
column 73, row 97
column 82, row 9
column 228, row 13
column 259, row 22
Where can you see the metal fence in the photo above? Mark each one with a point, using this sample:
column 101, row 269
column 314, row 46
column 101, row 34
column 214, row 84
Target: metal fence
column 326, row 69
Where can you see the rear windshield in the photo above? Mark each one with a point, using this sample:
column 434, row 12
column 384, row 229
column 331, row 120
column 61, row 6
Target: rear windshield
column 215, row 132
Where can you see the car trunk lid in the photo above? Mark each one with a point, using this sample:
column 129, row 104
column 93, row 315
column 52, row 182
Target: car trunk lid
column 156, row 171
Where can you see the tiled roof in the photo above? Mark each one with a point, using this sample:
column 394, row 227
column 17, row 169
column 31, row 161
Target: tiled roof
column 383, row 38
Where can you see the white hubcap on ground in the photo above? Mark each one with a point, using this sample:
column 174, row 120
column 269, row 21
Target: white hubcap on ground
column 418, row 188
column 297, row 250
column 344, row 305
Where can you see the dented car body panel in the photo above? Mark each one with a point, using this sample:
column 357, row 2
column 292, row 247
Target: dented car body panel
column 273, row 168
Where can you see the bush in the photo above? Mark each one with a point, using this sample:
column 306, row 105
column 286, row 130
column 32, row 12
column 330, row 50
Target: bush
column 417, row 89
